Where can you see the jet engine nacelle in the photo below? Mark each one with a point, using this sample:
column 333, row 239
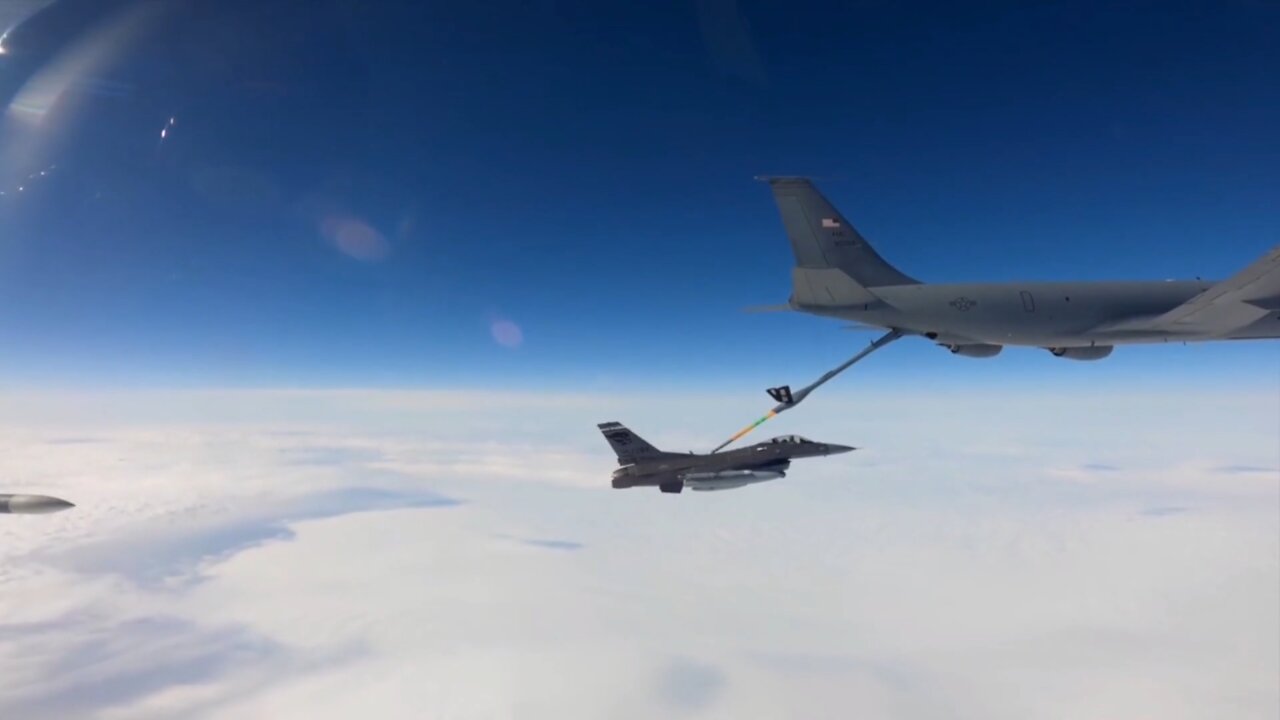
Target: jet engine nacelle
column 1095, row 352
column 975, row 350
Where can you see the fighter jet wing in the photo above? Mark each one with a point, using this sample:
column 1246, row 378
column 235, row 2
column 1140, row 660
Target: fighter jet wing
column 1233, row 303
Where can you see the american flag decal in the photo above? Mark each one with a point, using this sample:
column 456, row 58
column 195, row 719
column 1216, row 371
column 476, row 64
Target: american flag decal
column 830, row 223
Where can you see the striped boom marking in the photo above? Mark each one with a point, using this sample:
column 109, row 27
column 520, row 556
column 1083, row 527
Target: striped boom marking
column 751, row 427
column 799, row 395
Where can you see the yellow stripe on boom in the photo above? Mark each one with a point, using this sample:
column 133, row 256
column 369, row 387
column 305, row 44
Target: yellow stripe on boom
column 748, row 429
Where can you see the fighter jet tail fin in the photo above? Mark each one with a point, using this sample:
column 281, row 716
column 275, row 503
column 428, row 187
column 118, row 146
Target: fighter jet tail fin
column 628, row 446
column 822, row 239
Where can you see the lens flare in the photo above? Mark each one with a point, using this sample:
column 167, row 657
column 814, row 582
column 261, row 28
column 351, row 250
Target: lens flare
column 28, row 125
column 74, row 67
column 506, row 333
column 354, row 238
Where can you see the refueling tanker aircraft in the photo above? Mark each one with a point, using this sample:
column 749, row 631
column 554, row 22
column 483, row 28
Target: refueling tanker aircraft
column 643, row 465
column 838, row 274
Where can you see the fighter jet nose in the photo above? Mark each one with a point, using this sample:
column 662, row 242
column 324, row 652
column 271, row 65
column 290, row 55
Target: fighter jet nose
column 839, row 449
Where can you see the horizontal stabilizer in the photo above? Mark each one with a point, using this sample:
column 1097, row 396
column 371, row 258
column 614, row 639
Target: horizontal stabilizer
column 767, row 308
column 831, row 288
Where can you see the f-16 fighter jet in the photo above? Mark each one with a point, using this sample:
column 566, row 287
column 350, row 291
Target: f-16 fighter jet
column 643, row 465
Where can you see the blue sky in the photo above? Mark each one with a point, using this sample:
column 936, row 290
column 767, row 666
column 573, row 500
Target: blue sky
column 356, row 196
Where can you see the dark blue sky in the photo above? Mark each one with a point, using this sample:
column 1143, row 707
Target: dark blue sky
column 353, row 196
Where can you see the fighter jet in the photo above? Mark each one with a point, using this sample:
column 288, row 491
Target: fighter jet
column 643, row 465
column 838, row 274
column 31, row 504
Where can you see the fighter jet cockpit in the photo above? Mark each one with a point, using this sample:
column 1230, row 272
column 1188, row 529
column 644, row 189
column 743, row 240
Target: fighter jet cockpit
column 790, row 440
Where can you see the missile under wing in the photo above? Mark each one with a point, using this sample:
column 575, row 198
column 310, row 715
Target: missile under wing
column 31, row 504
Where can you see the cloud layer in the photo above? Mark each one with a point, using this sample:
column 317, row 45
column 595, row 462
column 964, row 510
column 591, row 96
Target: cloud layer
column 296, row 554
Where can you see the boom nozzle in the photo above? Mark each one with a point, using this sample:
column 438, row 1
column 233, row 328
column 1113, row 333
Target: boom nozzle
column 788, row 398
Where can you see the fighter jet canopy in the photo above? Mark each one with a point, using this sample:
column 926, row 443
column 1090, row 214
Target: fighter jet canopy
column 790, row 440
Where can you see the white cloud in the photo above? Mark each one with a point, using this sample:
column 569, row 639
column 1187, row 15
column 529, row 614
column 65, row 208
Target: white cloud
column 291, row 554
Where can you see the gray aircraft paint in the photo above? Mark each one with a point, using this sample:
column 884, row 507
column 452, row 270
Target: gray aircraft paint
column 838, row 274
column 643, row 465
column 31, row 504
